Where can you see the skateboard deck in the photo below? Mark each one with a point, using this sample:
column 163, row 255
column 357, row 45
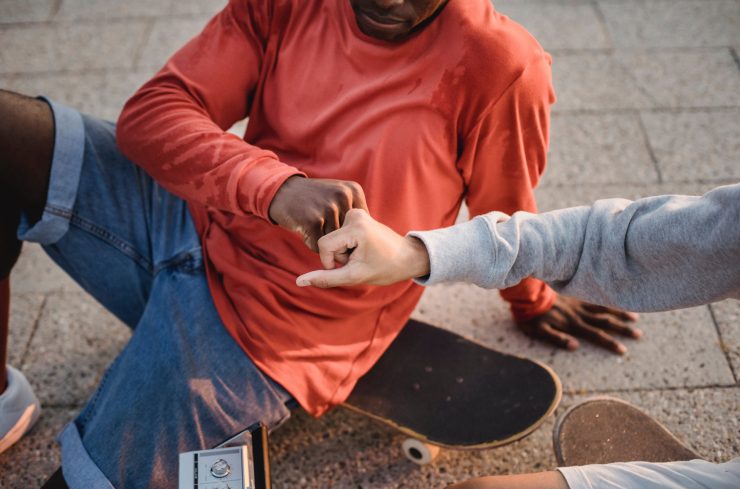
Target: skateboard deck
column 605, row 430
column 449, row 391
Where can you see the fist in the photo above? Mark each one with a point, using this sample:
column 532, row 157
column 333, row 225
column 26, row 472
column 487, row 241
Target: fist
column 314, row 207
column 379, row 256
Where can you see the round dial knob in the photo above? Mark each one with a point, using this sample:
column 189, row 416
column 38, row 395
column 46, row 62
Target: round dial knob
column 220, row 468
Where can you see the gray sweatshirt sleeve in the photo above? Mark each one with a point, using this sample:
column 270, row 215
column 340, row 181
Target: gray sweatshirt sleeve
column 652, row 254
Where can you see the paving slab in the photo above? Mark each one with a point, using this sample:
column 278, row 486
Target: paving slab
column 592, row 81
column 692, row 145
column 708, row 420
column 679, row 349
column 69, row 46
column 34, row 458
column 168, row 36
column 35, row 272
column 503, row 5
column 598, row 148
column 646, row 79
column 75, row 341
column 101, row 94
column 727, row 315
column 197, row 7
column 110, row 9
column 551, row 198
column 6, row 82
column 685, row 78
column 25, row 310
column 547, row 22
column 12, row 11
column 672, row 23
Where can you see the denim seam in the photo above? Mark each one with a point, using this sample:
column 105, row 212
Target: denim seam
column 113, row 240
column 58, row 211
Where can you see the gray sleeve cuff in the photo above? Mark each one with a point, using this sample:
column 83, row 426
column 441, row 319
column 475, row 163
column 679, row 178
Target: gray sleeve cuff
column 465, row 252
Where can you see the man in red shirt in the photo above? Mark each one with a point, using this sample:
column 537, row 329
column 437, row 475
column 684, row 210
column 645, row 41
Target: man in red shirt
column 404, row 108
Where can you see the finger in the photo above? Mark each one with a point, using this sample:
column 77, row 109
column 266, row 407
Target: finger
column 312, row 234
column 335, row 247
column 611, row 323
column 558, row 338
column 325, row 279
column 332, row 220
column 597, row 336
column 358, row 197
column 354, row 216
column 623, row 315
column 557, row 320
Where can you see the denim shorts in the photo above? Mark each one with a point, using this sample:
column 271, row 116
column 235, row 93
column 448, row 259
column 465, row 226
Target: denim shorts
column 181, row 383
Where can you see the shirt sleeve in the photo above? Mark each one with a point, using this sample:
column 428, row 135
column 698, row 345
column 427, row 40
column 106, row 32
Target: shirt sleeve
column 174, row 127
column 502, row 161
column 693, row 474
column 652, row 254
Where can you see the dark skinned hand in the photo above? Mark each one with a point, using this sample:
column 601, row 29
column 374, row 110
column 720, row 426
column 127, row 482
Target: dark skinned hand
column 570, row 318
column 314, row 207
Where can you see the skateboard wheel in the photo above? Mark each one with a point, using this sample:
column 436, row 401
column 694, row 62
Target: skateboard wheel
column 419, row 452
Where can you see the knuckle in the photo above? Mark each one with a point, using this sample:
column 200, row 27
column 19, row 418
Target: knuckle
column 332, row 211
column 352, row 185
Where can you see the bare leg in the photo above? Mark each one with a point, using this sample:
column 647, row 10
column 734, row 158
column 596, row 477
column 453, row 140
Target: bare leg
column 26, row 148
column 541, row 480
column 4, row 315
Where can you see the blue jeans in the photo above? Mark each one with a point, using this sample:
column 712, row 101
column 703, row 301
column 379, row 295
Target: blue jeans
column 181, row 383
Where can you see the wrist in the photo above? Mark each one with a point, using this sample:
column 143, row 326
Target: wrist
column 276, row 209
column 417, row 258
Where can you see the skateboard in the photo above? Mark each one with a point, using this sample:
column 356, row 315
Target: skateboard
column 443, row 390
column 605, row 430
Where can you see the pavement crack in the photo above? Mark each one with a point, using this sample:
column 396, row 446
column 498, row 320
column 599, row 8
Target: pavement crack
column 735, row 56
column 34, row 328
column 649, row 147
column 725, row 350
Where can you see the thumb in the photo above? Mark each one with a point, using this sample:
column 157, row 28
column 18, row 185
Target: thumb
column 325, row 279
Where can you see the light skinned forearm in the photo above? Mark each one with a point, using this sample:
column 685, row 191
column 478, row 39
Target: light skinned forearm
column 542, row 480
column 651, row 254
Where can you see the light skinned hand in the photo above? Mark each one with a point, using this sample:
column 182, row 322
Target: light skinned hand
column 368, row 252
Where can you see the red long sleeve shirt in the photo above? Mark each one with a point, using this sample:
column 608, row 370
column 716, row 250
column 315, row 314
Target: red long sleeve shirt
column 459, row 110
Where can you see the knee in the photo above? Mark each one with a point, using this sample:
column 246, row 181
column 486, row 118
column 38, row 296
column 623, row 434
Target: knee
column 10, row 247
column 26, row 149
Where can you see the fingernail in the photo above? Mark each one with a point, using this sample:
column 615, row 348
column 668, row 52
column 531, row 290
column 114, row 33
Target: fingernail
column 633, row 316
column 571, row 345
column 621, row 349
column 637, row 333
column 302, row 283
